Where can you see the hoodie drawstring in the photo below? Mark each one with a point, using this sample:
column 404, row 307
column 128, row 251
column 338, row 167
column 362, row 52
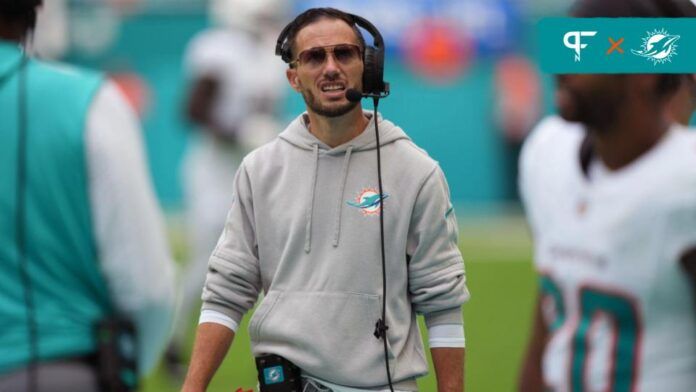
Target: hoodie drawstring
column 339, row 205
column 310, row 207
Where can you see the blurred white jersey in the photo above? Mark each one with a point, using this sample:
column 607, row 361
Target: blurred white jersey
column 619, row 307
column 252, row 85
column 252, row 78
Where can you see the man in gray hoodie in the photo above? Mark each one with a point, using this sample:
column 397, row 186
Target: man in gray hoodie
column 304, row 230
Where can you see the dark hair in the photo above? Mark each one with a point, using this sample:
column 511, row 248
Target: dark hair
column 21, row 11
column 668, row 83
column 314, row 14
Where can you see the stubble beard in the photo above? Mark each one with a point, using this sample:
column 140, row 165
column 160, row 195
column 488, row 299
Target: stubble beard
column 322, row 110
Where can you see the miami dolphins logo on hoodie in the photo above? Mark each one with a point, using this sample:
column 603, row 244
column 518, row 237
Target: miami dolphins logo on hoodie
column 368, row 201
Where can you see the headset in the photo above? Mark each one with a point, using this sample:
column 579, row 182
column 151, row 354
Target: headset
column 376, row 88
column 373, row 57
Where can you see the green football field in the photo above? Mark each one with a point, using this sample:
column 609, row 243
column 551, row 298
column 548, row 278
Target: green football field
column 500, row 277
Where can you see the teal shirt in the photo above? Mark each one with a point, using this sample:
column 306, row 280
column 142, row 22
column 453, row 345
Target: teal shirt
column 68, row 290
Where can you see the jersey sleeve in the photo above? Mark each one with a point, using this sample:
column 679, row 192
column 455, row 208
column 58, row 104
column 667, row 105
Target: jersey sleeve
column 128, row 224
column 536, row 163
column 529, row 169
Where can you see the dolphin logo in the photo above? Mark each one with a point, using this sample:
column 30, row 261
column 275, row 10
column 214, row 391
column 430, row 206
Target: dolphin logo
column 659, row 46
column 368, row 201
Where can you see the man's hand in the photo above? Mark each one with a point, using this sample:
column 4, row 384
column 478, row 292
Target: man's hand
column 449, row 368
column 212, row 342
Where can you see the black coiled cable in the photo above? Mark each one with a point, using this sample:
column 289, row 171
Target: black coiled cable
column 381, row 327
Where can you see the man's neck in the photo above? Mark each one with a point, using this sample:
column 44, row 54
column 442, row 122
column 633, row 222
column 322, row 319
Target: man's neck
column 335, row 131
column 633, row 134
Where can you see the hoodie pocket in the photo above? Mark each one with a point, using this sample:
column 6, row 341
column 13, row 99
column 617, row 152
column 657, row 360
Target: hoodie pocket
column 265, row 307
column 329, row 335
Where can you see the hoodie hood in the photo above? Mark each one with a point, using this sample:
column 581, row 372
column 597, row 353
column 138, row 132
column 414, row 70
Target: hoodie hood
column 297, row 134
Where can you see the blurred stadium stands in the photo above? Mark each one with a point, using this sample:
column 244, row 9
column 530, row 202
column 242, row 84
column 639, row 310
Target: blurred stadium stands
column 442, row 67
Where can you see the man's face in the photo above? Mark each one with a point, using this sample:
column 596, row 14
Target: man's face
column 594, row 100
column 323, row 85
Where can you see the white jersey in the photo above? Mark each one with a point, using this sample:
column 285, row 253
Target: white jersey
column 619, row 307
column 252, row 85
column 252, row 78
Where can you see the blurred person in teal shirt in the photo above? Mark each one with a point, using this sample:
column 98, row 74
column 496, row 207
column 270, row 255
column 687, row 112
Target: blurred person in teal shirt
column 81, row 235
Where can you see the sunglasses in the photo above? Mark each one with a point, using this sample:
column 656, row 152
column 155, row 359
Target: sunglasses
column 344, row 54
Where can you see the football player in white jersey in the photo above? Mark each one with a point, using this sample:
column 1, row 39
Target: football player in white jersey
column 609, row 188
column 234, row 103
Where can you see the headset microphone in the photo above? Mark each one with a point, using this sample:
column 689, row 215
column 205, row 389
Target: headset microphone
column 354, row 95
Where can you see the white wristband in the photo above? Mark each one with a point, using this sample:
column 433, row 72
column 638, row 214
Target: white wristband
column 211, row 316
column 447, row 335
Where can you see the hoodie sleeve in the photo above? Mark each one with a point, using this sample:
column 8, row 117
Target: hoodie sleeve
column 233, row 281
column 437, row 282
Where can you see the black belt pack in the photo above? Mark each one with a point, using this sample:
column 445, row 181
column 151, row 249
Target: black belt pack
column 277, row 374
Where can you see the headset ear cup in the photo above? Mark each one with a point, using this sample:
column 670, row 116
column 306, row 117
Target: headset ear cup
column 372, row 74
column 285, row 52
column 282, row 48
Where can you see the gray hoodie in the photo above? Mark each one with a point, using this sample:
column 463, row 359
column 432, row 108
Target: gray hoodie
column 304, row 229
